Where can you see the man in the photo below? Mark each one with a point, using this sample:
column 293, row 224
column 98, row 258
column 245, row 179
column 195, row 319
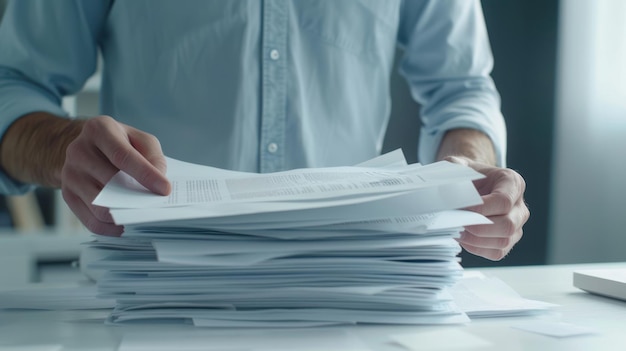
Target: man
column 247, row 85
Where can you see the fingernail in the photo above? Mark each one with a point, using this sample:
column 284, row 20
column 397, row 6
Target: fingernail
column 162, row 186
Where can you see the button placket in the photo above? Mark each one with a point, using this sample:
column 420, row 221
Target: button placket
column 273, row 86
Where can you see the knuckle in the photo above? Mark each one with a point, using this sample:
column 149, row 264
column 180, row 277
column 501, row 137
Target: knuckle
column 509, row 227
column 97, row 125
column 525, row 214
column 102, row 119
column 503, row 242
column 505, row 202
column 516, row 179
column 153, row 140
column 74, row 154
column 93, row 125
column 511, row 176
column 120, row 157
column 505, row 173
column 521, row 181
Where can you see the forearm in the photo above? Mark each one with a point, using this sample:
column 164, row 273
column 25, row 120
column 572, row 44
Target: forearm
column 469, row 143
column 33, row 147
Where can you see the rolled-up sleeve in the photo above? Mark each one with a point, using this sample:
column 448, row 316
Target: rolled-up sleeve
column 48, row 49
column 447, row 63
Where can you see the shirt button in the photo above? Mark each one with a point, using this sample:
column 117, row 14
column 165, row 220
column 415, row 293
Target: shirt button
column 272, row 147
column 274, row 55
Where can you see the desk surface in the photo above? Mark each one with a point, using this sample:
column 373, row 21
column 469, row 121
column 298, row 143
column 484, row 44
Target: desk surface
column 84, row 330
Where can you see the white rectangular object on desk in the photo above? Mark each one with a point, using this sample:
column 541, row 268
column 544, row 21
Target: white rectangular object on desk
column 606, row 282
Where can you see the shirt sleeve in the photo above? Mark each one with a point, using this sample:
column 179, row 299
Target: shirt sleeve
column 48, row 49
column 447, row 63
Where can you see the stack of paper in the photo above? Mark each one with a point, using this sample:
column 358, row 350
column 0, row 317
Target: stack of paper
column 373, row 243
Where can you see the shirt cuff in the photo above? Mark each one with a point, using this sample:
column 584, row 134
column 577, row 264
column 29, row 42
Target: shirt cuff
column 430, row 139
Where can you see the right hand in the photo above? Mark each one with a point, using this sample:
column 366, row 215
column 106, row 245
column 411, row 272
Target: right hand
column 104, row 147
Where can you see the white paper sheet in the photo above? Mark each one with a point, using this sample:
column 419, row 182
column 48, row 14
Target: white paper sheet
column 440, row 340
column 372, row 243
column 554, row 328
column 308, row 213
column 293, row 185
column 480, row 296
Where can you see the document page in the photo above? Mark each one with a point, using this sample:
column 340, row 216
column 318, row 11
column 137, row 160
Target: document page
column 370, row 243
column 294, row 185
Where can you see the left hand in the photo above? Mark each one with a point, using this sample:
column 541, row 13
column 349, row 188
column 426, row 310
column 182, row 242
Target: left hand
column 502, row 191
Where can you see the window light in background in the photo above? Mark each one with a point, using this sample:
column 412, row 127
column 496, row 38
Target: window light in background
column 589, row 180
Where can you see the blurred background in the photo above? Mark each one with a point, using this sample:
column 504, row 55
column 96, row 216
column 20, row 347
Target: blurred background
column 560, row 67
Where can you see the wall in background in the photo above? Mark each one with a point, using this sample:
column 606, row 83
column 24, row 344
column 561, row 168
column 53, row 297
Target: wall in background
column 589, row 207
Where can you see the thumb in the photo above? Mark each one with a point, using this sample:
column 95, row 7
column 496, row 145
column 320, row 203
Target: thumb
column 458, row 159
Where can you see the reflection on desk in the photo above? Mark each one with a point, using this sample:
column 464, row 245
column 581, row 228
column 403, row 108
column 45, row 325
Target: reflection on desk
column 84, row 330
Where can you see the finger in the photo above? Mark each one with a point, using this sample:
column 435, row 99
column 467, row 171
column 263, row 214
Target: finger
column 118, row 149
column 506, row 191
column 101, row 213
column 100, row 169
column 86, row 188
column 500, row 189
column 83, row 158
column 491, row 254
column 87, row 165
column 503, row 225
column 86, row 217
column 503, row 242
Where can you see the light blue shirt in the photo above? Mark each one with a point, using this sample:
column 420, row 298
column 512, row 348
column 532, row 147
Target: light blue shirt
column 257, row 86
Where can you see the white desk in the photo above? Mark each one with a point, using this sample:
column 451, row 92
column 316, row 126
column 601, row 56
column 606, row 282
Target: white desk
column 84, row 330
